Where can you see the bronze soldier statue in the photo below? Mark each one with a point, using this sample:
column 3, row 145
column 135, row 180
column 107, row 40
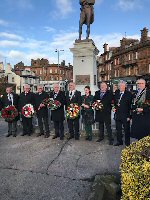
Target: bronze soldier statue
column 86, row 16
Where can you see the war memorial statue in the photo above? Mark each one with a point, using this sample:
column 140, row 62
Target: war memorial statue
column 86, row 16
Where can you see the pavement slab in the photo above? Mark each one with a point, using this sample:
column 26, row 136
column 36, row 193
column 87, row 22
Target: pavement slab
column 41, row 168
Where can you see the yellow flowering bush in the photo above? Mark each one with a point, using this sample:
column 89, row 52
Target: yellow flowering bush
column 135, row 170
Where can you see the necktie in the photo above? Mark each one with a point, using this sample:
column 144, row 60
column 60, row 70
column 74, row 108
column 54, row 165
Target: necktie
column 121, row 94
column 9, row 97
column 70, row 95
column 55, row 95
column 102, row 94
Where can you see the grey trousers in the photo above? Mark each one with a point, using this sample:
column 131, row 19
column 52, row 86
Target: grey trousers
column 12, row 128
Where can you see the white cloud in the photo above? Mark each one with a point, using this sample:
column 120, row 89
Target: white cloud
column 49, row 29
column 28, row 48
column 113, row 40
column 129, row 4
column 3, row 22
column 9, row 44
column 10, row 36
column 64, row 7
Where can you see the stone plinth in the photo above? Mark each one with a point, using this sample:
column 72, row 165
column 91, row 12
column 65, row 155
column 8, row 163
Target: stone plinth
column 85, row 65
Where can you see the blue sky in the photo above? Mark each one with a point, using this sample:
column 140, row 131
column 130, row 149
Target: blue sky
column 35, row 28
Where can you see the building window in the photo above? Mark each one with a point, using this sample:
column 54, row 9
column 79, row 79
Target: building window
column 129, row 57
column 50, row 71
column 136, row 55
column 129, row 71
column 40, row 71
column 56, row 71
column 115, row 61
column 118, row 73
column 118, row 61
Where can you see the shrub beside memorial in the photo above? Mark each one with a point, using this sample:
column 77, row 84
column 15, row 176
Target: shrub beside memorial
column 135, row 171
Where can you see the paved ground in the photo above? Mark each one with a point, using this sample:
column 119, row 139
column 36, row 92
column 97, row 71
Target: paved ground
column 34, row 168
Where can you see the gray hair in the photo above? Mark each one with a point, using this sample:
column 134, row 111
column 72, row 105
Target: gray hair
column 41, row 86
column 122, row 82
column 141, row 79
column 27, row 86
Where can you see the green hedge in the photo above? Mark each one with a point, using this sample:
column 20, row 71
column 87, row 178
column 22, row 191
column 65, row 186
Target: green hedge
column 135, row 170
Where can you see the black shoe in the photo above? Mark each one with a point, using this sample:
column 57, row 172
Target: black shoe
column 76, row 138
column 47, row 135
column 61, row 138
column 90, row 139
column 54, row 137
column 69, row 138
column 8, row 135
column 23, row 134
column 14, row 135
column 87, row 138
column 118, row 143
column 99, row 140
column 110, row 142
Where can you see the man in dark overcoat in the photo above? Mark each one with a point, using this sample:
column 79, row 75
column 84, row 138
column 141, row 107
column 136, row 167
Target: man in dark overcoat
column 26, row 97
column 73, row 96
column 42, row 111
column 122, row 102
column 103, row 117
column 58, row 115
column 8, row 99
column 141, row 111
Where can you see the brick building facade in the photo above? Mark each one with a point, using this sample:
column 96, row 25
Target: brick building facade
column 46, row 71
column 128, row 62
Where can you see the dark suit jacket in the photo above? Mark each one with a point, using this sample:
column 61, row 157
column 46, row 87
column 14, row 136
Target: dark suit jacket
column 1, row 105
column 43, row 112
column 106, row 101
column 123, row 111
column 58, row 114
column 75, row 99
column 6, row 102
column 26, row 99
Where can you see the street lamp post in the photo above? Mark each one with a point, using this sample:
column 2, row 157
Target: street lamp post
column 58, row 52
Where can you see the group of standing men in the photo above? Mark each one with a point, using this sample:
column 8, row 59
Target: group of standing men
column 126, row 105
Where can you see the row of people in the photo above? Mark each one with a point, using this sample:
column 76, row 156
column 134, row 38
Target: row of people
column 124, row 102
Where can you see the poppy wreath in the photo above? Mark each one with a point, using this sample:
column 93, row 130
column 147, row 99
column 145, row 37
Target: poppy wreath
column 9, row 113
column 51, row 104
column 73, row 111
column 28, row 111
column 97, row 105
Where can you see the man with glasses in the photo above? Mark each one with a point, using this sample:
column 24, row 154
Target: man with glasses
column 141, row 111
